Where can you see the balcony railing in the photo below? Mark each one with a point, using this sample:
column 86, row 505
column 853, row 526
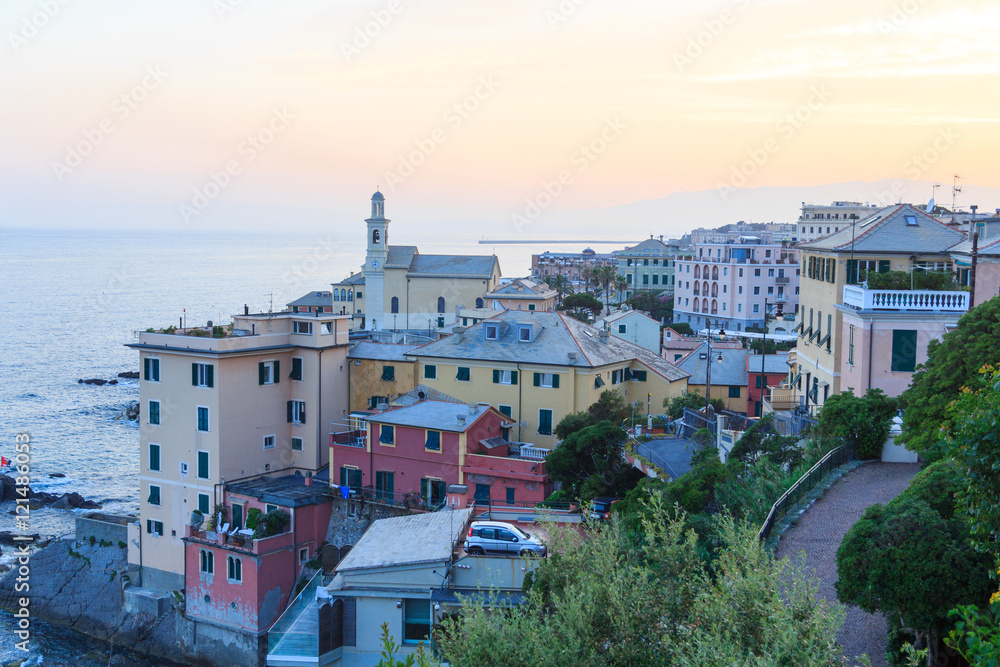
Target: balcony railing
column 782, row 280
column 529, row 452
column 783, row 398
column 862, row 298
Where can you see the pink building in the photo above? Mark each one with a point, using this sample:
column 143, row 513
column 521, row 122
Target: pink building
column 241, row 579
column 410, row 455
column 763, row 372
column 730, row 285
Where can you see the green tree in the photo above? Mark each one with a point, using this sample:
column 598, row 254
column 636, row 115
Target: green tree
column 560, row 284
column 610, row 406
column 620, row 285
column 912, row 559
column 773, row 347
column 952, row 363
column 616, row 599
column 578, row 305
column 689, row 399
column 862, row 422
column 659, row 307
column 591, row 462
column 390, row 649
column 972, row 439
column 683, row 328
column 762, row 442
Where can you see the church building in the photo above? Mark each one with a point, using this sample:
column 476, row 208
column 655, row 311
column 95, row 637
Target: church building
column 400, row 289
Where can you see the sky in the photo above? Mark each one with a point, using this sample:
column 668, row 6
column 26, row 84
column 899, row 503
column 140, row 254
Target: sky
column 477, row 117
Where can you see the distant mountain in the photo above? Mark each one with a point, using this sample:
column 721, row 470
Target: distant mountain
column 681, row 212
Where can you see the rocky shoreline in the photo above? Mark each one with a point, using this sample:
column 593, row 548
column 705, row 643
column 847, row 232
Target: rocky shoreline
column 37, row 499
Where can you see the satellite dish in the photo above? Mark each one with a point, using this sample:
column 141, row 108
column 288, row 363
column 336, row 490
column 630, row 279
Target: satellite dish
column 930, row 205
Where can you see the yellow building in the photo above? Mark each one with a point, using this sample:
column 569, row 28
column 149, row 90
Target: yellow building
column 227, row 405
column 539, row 367
column 379, row 372
column 725, row 368
column 896, row 238
column 523, row 294
column 400, row 289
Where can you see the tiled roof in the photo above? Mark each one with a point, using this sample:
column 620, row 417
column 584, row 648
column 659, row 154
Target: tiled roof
column 368, row 349
column 356, row 279
column 887, row 231
column 731, row 371
column 429, row 393
column 531, row 290
column 649, row 247
column 477, row 266
column 553, row 337
column 621, row 314
column 313, row 299
column 400, row 256
column 988, row 246
column 408, row 540
column 436, row 415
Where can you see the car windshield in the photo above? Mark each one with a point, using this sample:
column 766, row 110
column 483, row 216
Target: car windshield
column 521, row 533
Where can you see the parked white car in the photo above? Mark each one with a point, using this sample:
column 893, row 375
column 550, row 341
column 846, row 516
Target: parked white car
column 505, row 539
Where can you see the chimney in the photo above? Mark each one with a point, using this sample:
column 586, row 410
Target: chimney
column 459, row 334
column 246, row 309
column 309, row 478
column 572, row 357
column 661, row 238
column 972, row 220
column 604, row 335
column 473, row 408
column 461, row 420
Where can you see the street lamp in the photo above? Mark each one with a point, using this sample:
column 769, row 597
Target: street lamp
column 708, row 370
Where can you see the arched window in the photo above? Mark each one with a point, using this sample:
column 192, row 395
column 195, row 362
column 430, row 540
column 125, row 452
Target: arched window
column 336, row 295
column 479, row 303
column 704, row 288
column 715, row 289
column 715, row 307
column 715, row 273
column 395, row 304
column 376, row 237
column 696, row 309
column 440, row 304
column 350, row 295
column 697, row 272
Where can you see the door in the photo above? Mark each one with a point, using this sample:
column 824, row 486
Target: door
column 510, row 496
column 237, row 516
column 482, row 494
column 384, row 485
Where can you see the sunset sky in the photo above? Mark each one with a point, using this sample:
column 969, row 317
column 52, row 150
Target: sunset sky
column 120, row 113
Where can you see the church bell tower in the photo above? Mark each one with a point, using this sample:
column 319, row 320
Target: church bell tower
column 377, row 253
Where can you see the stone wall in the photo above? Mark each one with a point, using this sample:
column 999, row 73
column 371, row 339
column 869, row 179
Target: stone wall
column 349, row 520
column 108, row 527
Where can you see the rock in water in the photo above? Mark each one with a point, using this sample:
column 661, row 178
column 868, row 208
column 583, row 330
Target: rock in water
column 132, row 411
column 129, row 375
column 96, row 381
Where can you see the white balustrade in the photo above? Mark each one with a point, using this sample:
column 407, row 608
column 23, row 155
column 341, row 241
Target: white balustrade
column 861, row 298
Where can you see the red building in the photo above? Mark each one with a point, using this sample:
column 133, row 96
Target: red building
column 239, row 582
column 775, row 371
column 409, row 455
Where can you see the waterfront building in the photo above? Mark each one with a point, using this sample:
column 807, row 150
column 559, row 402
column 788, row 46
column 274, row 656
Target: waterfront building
column 897, row 238
column 726, row 285
column 647, row 266
column 538, row 367
column 818, row 220
column 522, row 294
column 400, row 289
column 633, row 326
column 568, row 264
column 222, row 405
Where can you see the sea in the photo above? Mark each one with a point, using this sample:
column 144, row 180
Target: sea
column 72, row 301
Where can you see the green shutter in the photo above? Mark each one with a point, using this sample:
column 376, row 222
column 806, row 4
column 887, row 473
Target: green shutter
column 154, row 457
column 555, row 381
column 388, row 374
column 302, row 412
column 277, row 371
column 203, row 500
column 145, row 368
column 883, row 266
column 423, row 488
column 904, row 350
column 513, row 377
column 833, row 270
column 203, row 465
column 260, row 372
column 496, row 376
column 194, row 374
column 209, row 373
column 296, row 373
column 852, row 271
column 288, row 411
column 538, row 380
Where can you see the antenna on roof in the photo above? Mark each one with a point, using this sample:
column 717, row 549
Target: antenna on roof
column 270, row 308
column 954, row 191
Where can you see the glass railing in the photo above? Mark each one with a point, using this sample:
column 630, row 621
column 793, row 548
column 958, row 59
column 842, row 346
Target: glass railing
column 296, row 632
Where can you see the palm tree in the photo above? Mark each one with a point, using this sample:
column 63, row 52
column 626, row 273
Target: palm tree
column 587, row 275
column 620, row 286
column 560, row 284
column 606, row 276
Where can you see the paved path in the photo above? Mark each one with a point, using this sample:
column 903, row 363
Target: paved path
column 820, row 530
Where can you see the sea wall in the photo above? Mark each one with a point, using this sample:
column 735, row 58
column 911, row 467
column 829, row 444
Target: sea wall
column 78, row 585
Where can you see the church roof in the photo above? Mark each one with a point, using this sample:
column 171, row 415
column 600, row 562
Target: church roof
column 354, row 279
column 400, row 256
column 322, row 298
column 465, row 266
column 378, row 196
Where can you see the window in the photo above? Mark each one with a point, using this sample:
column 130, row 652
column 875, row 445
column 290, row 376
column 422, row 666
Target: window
column 296, row 373
column 151, row 369
column 303, row 555
column 463, row 374
column 756, row 273
column 203, row 468
column 268, row 442
column 739, row 308
column 203, row 501
column 546, row 380
column 491, row 331
column 296, row 444
column 756, row 290
column 207, row 561
column 154, row 413
column 416, row 620
column 203, row 418
column 739, row 289
column 154, row 527
column 656, row 278
column 388, row 374
column 524, row 333
column 302, row 327
column 350, row 477
column 394, row 305
column 295, row 412
column 387, row 434
column 202, row 375
column 356, row 296
column 504, row 377
column 430, row 372
column 544, row 422
column 756, row 308
column 267, row 372
column 433, row 441
column 628, row 278
column 510, row 496
column 440, row 304
column 432, row 491
column 645, row 279
column 621, row 328
column 154, row 495
column 531, row 306
column 373, row 402
column 904, row 350
column 234, row 569
column 154, row 457
column 911, row 220
column 850, row 345
column 734, row 392
column 506, row 410
column 770, row 290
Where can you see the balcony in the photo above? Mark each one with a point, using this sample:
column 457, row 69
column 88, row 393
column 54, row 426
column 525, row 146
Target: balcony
column 861, row 298
column 782, row 280
column 782, row 398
